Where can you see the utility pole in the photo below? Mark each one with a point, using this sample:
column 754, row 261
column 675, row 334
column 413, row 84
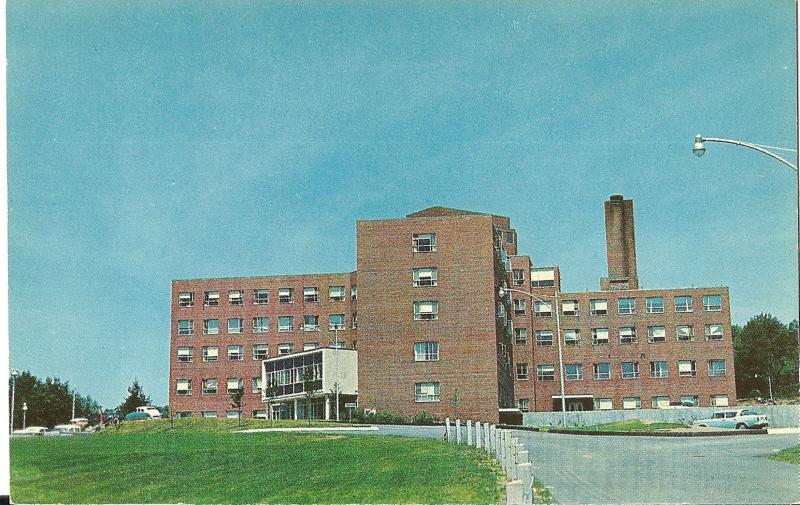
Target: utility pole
column 73, row 405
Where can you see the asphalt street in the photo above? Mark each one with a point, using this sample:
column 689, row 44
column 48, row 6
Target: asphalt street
column 609, row 469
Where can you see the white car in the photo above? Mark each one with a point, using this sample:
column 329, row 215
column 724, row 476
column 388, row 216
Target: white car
column 31, row 430
column 67, row 429
column 151, row 411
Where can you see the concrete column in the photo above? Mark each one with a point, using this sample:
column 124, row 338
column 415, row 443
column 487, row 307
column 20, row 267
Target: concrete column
column 327, row 408
column 514, row 492
column 487, row 440
column 492, row 435
column 447, row 429
column 469, row 433
column 458, row 431
column 525, row 473
column 478, row 434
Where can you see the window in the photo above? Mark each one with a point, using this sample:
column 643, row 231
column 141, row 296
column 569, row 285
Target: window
column 260, row 414
column 336, row 322
column 518, row 277
column 719, row 400
column 256, row 383
column 285, row 323
column 427, row 310
column 424, row 242
column 626, row 305
column 310, row 346
column 510, row 237
column 310, row 323
column 209, row 413
column 186, row 299
column 310, row 295
column 545, row 373
column 570, row 308
column 235, row 352
column 285, row 295
column 523, row 404
column 260, row 351
column 235, row 297
column 659, row 370
column 713, row 332
column 684, row 332
column 353, row 318
column 544, row 337
column 338, row 345
column 260, row 324
column 521, row 336
column 519, row 307
column 211, row 298
column 235, row 385
column 656, row 334
column 602, row 371
column 716, row 367
column 660, row 402
column 336, row 293
column 185, row 327
column 683, row 304
column 260, row 296
column 210, row 326
column 630, row 370
column 631, row 402
column 285, row 349
column 424, row 277
column 598, row 307
column 572, row 337
column 427, row 392
column 522, row 371
column 687, row 368
column 627, row 335
column 692, row 400
column 184, row 354
column 210, row 353
column 232, row 414
column 603, row 404
column 574, row 372
column 712, row 303
column 542, row 309
column 210, row 386
column 426, row 351
column 599, row 336
column 183, row 387
column 654, row 305
column 543, row 277
column 235, row 325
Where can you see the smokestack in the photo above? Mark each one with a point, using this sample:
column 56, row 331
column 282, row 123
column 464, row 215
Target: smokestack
column 620, row 245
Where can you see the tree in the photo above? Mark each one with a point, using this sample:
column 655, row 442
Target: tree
column 309, row 386
column 236, row 404
column 270, row 392
column 768, row 348
column 49, row 402
column 136, row 398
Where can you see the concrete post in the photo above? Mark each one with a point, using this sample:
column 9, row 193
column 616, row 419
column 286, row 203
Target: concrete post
column 478, row 434
column 327, row 408
column 458, row 431
column 514, row 492
column 447, row 429
column 469, row 433
column 492, row 435
column 525, row 472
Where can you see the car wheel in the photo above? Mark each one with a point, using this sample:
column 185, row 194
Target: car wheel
column 741, row 426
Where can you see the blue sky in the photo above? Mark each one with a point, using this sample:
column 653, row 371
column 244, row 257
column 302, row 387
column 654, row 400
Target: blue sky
column 149, row 141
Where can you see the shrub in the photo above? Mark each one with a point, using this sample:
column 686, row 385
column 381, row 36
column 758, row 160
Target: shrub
column 424, row 419
column 389, row 418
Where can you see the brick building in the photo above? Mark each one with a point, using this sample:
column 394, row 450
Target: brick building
column 434, row 333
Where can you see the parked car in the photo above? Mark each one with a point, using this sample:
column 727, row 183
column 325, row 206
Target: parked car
column 137, row 416
column 678, row 405
column 739, row 419
column 32, row 430
column 67, row 429
column 81, row 422
column 153, row 412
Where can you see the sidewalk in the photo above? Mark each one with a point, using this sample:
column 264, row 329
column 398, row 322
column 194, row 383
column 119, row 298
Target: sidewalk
column 780, row 431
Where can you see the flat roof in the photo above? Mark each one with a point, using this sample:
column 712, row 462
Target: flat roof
column 261, row 276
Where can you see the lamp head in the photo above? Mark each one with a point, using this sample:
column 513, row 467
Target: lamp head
column 14, row 373
column 24, row 406
column 501, row 293
column 698, row 149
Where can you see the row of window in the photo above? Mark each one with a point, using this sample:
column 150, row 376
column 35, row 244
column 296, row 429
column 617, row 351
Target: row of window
column 230, row 414
column 626, row 334
column 184, row 387
column 261, row 324
column 628, row 370
column 423, row 351
column 261, row 296
column 625, row 306
column 635, row 402
column 540, row 277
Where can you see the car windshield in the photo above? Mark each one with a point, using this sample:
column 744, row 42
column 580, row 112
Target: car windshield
column 748, row 413
column 719, row 415
column 730, row 414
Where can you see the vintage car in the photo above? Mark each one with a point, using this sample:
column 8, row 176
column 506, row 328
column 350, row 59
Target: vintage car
column 739, row 419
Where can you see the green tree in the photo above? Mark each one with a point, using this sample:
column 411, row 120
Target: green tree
column 271, row 391
column 49, row 401
column 236, row 404
column 768, row 348
column 136, row 398
column 309, row 387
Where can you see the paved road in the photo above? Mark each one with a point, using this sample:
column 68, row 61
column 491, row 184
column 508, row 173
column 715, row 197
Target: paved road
column 602, row 469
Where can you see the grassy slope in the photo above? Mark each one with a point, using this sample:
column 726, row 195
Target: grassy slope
column 197, row 424
column 629, row 425
column 218, row 467
column 790, row 455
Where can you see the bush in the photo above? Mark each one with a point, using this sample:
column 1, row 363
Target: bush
column 389, row 418
column 424, row 419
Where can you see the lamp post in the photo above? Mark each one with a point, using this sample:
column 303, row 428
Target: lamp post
column 24, row 412
column 502, row 293
column 14, row 375
column 769, row 381
column 336, row 381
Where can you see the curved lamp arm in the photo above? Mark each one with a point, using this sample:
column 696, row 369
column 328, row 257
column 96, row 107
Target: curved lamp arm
column 699, row 149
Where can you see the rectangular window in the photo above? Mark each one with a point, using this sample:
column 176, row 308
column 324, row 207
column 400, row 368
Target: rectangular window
column 235, row 352
column 336, row 293
column 712, row 303
column 340, row 345
column 183, row 387
column 427, row 310
column 424, row 277
column 544, row 337
column 570, row 308
column 210, row 326
column 523, row 404
column 660, row 402
column 626, row 305
column 521, row 336
column 603, row 404
column 572, row 337
column 518, row 277
column 186, row 299
column 716, row 367
column 209, row 413
column 260, row 296
column 683, row 304
column 424, row 242
column 310, row 323
column 519, row 307
column 354, row 293
column 185, row 327
column 598, row 307
column 426, row 351
column 574, row 371
column 210, row 386
column 260, row 324
column 654, row 305
column 602, row 371
column 545, row 373
column 687, row 368
column 543, row 277
column 659, row 370
column 210, row 353
column 235, row 297
column 714, row 332
column 235, row 325
column 690, row 400
column 310, row 295
column 260, row 414
column 260, row 351
column 427, row 392
column 631, row 402
column 510, row 237
column 354, row 320
column 232, row 414
column 285, row 295
column 656, row 334
column 522, row 371
column 285, row 349
column 684, row 332
column 235, row 385
column 599, row 336
column 211, row 298
column 630, row 370
column 185, row 354
column 336, row 322
column 310, row 346
column 719, row 400
column 627, row 335
column 256, row 383
column 542, row 309
column 285, row 323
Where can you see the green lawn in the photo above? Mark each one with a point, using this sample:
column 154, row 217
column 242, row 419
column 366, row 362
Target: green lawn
column 629, row 425
column 199, row 424
column 221, row 467
column 790, row 455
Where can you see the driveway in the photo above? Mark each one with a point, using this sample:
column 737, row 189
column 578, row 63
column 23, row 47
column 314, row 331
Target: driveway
column 607, row 469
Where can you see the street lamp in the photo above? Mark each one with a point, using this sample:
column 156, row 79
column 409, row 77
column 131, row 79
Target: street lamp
column 336, row 381
column 502, row 293
column 24, row 412
column 769, row 381
column 14, row 375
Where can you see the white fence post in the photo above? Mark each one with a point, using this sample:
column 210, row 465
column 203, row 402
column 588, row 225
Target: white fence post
column 469, row 433
column 492, row 441
column 514, row 492
column 478, row 434
column 447, row 429
column 458, row 431
column 525, row 472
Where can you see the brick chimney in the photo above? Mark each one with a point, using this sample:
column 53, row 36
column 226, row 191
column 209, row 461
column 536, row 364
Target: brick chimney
column 620, row 245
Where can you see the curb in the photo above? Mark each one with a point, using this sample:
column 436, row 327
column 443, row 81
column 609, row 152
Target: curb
column 668, row 434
